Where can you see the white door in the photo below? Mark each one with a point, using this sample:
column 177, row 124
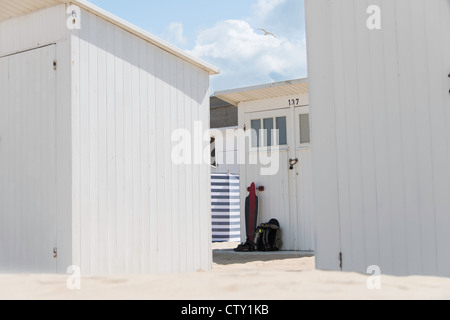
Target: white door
column 272, row 152
column 303, row 179
column 288, row 186
column 28, row 162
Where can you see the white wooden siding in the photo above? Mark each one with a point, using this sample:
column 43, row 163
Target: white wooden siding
column 288, row 195
column 121, row 205
column 225, row 147
column 304, row 197
column 23, row 7
column 28, row 172
column 274, row 202
column 35, row 31
column 380, row 135
column 63, row 156
column 133, row 209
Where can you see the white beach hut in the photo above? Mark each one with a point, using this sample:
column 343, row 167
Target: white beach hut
column 380, row 111
column 88, row 103
column 287, row 197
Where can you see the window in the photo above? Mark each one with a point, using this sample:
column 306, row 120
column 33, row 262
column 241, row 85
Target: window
column 256, row 128
column 268, row 127
column 282, row 130
column 269, row 137
column 305, row 134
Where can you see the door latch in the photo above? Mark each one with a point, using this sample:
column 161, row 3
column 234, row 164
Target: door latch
column 292, row 163
column 55, row 253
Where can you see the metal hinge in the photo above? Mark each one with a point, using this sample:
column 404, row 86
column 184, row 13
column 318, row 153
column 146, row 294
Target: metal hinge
column 54, row 64
column 340, row 260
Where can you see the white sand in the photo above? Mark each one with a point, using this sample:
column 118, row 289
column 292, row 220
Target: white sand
column 235, row 276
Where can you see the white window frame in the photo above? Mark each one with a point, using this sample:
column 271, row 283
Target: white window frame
column 300, row 111
column 261, row 115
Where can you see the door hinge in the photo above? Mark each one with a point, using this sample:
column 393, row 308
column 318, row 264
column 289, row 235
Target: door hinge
column 54, row 64
column 340, row 260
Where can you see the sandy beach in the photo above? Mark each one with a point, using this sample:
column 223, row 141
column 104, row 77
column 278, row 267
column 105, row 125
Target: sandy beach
column 235, row 276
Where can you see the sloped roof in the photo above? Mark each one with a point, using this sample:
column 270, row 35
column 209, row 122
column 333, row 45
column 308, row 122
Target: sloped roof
column 15, row 8
column 265, row 91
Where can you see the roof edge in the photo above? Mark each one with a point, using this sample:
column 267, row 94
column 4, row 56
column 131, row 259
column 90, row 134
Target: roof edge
column 223, row 94
column 212, row 70
column 261, row 86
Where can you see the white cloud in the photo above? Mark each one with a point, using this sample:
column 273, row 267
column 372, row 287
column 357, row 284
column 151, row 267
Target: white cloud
column 245, row 56
column 233, row 39
column 264, row 7
column 174, row 34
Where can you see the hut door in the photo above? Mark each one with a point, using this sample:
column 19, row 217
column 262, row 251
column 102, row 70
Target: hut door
column 267, row 166
column 303, row 179
column 28, row 162
column 288, row 194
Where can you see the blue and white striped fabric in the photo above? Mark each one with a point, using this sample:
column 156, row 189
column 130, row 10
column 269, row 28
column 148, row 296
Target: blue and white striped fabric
column 226, row 216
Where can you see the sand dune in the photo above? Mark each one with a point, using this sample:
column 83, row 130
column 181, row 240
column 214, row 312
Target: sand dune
column 279, row 276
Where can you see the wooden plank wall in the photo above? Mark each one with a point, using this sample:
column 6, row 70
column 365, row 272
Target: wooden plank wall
column 135, row 211
column 381, row 134
column 36, row 31
column 33, row 30
column 28, row 162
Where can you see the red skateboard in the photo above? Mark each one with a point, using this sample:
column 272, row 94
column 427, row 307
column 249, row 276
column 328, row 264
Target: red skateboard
column 251, row 211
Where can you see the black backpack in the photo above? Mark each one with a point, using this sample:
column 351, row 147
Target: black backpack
column 269, row 236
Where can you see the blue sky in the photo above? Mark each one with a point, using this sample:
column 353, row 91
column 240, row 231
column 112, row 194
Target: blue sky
column 225, row 34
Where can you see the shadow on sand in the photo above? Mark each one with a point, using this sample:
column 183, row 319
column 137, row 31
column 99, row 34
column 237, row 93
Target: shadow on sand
column 229, row 256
